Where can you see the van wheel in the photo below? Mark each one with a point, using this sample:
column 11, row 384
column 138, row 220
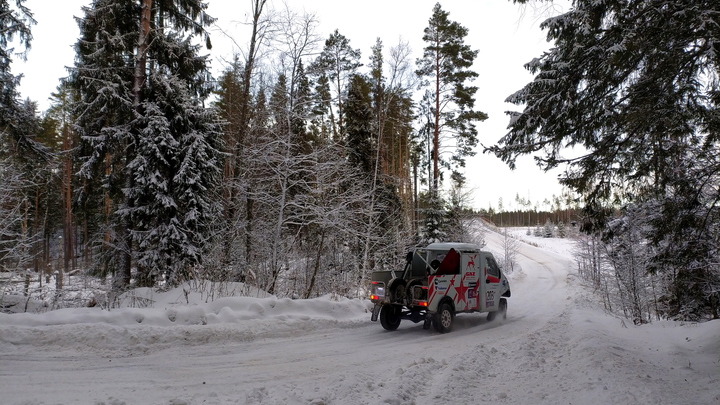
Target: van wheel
column 501, row 311
column 443, row 319
column 390, row 317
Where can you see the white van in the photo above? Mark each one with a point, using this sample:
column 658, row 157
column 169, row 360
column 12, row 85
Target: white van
column 438, row 282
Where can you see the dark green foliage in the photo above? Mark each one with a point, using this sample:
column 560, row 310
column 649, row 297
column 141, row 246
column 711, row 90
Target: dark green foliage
column 280, row 108
column 358, row 125
column 15, row 22
column 155, row 147
column 435, row 219
column 175, row 172
column 301, row 105
column 635, row 83
column 445, row 67
column 18, row 121
column 28, row 200
column 338, row 61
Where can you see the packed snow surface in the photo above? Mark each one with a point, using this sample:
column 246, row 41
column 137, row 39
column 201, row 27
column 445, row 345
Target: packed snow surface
column 557, row 346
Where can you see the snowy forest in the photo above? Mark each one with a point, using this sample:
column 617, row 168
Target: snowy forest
column 299, row 170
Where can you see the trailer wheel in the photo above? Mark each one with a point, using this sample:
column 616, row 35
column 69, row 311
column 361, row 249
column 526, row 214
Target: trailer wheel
column 443, row 319
column 390, row 317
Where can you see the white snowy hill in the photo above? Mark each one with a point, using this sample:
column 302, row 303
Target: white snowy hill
column 556, row 347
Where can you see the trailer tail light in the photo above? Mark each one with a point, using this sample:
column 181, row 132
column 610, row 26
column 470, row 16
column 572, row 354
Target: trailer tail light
column 377, row 291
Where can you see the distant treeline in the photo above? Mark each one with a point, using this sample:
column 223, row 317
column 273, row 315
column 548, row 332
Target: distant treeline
column 532, row 218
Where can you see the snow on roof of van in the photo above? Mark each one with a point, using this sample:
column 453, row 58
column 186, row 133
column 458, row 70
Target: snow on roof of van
column 453, row 245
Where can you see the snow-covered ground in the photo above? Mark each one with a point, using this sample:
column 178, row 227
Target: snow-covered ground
column 556, row 347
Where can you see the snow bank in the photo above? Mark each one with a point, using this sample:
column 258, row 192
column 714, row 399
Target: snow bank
column 169, row 323
column 557, row 346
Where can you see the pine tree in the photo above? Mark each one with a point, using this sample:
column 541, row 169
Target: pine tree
column 338, row 61
column 457, row 229
column 392, row 128
column 175, row 169
column 280, row 107
column 300, row 106
column 16, row 22
column 322, row 108
column 445, row 67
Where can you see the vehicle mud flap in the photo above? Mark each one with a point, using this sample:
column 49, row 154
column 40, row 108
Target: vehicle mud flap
column 375, row 312
column 427, row 323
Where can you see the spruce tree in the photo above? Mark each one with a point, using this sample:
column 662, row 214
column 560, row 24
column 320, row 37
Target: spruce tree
column 635, row 85
column 358, row 126
column 27, row 154
column 322, row 108
column 301, row 105
column 18, row 123
column 549, row 229
column 435, row 219
column 147, row 136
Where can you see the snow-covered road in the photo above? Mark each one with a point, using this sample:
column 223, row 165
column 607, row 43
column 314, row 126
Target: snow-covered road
column 554, row 348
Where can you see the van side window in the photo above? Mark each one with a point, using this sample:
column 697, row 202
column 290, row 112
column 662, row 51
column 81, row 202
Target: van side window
column 493, row 269
column 448, row 263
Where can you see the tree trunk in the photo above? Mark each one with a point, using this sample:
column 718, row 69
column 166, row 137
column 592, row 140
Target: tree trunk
column 277, row 237
column 67, row 201
column 316, row 268
column 257, row 7
column 122, row 280
column 141, row 55
column 436, row 129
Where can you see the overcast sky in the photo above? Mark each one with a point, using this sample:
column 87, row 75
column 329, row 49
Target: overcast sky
column 506, row 35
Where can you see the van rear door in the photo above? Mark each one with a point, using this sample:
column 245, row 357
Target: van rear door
column 491, row 283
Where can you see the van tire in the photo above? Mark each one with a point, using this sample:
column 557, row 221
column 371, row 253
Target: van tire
column 501, row 311
column 443, row 319
column 390, row 317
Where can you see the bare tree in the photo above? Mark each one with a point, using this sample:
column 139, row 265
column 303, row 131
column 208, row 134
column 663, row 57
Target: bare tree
column 510, row 247
column 14, row 243
column 294, row 39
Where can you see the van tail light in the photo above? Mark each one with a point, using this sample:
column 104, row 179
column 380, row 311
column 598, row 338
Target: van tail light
column 420, row 295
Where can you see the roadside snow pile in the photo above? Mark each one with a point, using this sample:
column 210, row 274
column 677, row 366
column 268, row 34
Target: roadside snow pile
column 196, row 346
column 171, row 323
column 36, row 293
column 224, row 310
